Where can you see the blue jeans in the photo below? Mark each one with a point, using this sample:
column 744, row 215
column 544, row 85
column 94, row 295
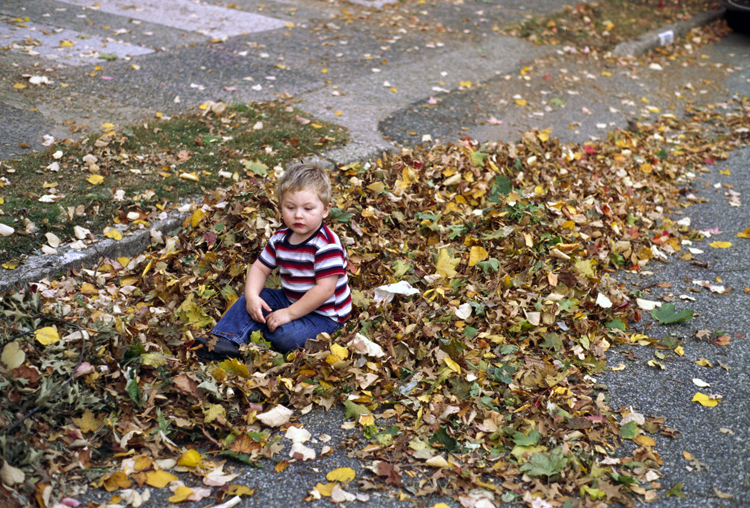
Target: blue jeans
column 237, row 325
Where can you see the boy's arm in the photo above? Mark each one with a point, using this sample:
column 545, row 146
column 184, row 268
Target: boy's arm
column 317, row 295
column 254, row 284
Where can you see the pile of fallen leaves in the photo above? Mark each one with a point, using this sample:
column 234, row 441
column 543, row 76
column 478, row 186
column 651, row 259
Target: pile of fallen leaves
column 474, row 372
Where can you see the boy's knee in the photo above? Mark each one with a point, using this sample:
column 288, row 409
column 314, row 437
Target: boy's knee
column 285, row 340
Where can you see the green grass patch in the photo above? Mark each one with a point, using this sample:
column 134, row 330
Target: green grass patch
column 140, row 169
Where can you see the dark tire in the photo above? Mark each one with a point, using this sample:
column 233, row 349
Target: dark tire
column 739, row 21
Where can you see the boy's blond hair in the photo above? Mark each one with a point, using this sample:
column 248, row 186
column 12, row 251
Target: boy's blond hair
column 305, row 176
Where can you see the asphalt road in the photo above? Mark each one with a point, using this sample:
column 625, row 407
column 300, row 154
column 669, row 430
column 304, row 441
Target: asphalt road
column 181, row 61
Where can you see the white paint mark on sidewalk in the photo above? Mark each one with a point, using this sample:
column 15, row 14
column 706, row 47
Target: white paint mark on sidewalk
column 62, row 45
column 209, row 20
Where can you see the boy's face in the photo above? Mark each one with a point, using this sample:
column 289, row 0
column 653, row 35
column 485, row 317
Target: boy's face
column 303, row 212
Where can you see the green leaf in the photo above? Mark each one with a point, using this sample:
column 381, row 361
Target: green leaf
column 490, row 265
column 552, row 341
column 470, row 332
column 242, row 457
column 666, row 314
column 629, row 430
column 501, row 186
column 524, row 440
column 545, row 464
column 594, row 494
column 354, row 411
column 256, row 167
column 162, row 422
column 616, row 323
column 477, row 158
column 338, row 215
column 134, row 391
column 449, row 443
column 569, row 304
column 107, row 56
column 554, row 101
column 676, row 491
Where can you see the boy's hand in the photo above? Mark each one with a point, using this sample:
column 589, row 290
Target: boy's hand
column 277, row 318
column 255, row 307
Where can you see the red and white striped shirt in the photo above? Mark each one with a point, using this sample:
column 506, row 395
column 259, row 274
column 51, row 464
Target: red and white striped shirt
column 300, row 266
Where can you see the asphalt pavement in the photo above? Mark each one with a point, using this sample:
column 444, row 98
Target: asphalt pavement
column 380, row 77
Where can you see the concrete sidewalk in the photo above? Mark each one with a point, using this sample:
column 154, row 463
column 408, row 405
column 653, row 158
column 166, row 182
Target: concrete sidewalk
column 151, row 58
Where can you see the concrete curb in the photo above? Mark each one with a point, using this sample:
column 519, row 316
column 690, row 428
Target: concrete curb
column 664, row 35
column 36, row 268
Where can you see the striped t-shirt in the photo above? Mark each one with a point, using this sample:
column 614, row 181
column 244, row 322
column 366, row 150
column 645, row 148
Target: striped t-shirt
column 300, row 266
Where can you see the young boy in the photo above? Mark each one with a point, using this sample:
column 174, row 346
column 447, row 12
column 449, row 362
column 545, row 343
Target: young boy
column 311, row 259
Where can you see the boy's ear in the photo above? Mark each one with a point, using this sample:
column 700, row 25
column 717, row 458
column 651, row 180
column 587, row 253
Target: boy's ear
column 328, row 209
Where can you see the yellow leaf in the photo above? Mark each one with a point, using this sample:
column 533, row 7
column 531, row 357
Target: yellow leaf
column 88, row 422
column 339, row 351
column 440, row 505
column 19, row 86
column 234, row 366
column 366, row 420
column 281, row 466
column 704, row 363
column 198, row 216
column 543, row 136
column 720, row 245
column 679, row 351
column 47, row 335
column 452, row 365
column 190, row 458
column 66, row 44
column 644, row 441
column 342, row 474
column 189, row 176
column 240, row 490
column 725, row 172
column 143, row 463
column 203, row 107
column 585, row 267
column 521, row 102
column 325, row 489
column 704, row 400
column 606, row 74
column 159, row 479
column 744, row 234
column 158, row 115
column 181, row 494
column 118, row 480
column 376, row 187
column 316, row 126
column 214, row 411
column 339, row 113
column 477, row 254
column 446, row 264
column 113, row 234
column 11, row 265
column 465, row 84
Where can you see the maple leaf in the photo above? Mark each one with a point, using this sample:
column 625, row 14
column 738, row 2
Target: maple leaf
column 545, row 464
column 666, row 314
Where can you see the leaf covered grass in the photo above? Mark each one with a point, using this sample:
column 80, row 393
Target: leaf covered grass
column 484, row 375
column 97, row 182
column 603, row 24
